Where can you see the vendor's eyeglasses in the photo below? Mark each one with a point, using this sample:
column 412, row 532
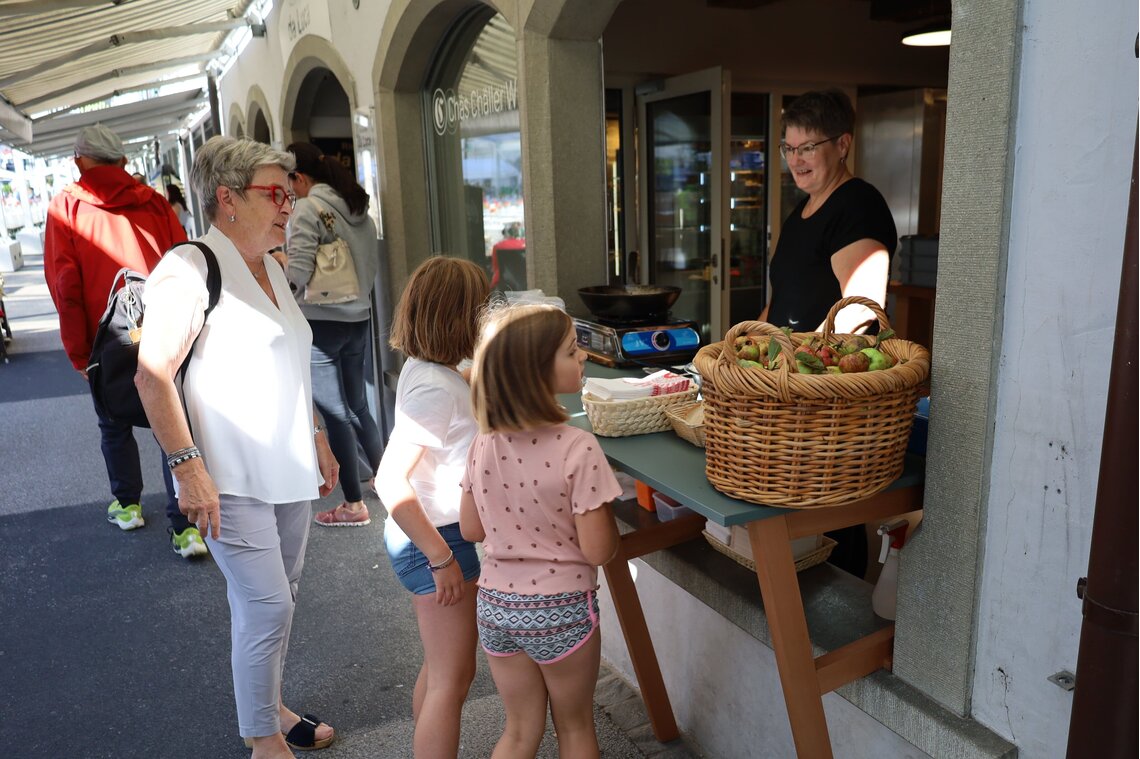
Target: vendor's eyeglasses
column 807, row 150
column 278, row 194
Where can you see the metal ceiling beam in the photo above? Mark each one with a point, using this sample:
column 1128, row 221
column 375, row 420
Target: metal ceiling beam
column 125, row 71
column 180, row 102
column 152, row 126
column 114, row 94
column 14, row 121
column 118, row 40
column 47, row 6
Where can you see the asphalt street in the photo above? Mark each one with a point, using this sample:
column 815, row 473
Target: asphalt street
column 111, row 645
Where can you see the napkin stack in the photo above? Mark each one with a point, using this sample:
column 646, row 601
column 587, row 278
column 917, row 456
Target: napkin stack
column 630, row 388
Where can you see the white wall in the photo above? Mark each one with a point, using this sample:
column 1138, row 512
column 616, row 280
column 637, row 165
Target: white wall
column 731, row 703
column 1077, row 111
column 261, row 64
column 355, row 33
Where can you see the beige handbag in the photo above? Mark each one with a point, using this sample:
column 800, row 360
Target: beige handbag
column 334, row 275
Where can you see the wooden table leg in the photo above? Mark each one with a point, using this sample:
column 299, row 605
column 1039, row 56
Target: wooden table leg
column 784, row 609
column 640, row 646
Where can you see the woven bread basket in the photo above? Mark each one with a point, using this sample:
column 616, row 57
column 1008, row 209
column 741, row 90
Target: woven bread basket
column 688, row 420
column 780, row 438
column 639, row 416
column 807, row 561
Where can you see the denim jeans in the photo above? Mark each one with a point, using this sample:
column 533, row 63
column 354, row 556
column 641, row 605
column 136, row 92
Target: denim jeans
column 121, row 455
column 338, row 391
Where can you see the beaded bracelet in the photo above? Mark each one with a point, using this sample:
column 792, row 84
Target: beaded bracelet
column 183, row 455
column 443, row 564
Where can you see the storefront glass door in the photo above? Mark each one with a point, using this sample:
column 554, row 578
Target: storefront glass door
column 471, row 112
column 683, row 194
column 748, row 206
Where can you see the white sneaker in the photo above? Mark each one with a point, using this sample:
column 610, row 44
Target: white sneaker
column 188, row 543
column 126, row 517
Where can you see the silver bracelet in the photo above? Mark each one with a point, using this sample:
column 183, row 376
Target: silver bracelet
column 182, row 456
column 443, row 564
column 318, row 429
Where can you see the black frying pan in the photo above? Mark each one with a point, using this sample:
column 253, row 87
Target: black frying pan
column 629, row 302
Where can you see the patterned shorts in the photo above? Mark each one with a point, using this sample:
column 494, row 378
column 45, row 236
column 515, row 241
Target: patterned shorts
column 545, row 628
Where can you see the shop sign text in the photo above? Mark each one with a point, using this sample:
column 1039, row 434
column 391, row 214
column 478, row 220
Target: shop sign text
column 449, row 109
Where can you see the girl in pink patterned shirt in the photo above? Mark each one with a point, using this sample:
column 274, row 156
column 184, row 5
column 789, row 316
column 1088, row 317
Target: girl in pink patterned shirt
column 537, row 493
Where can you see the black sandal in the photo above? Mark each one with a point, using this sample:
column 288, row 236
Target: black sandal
column 303, row 735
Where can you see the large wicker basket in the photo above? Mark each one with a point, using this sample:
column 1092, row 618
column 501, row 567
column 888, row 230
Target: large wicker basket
column 794, row 440
column 639, row 416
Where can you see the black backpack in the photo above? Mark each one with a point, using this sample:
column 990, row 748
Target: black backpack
column 115, row 349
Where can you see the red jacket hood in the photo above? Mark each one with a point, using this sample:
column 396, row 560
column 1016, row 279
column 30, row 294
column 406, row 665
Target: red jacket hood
column 110, row 187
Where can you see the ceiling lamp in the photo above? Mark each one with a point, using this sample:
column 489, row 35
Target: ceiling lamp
column 933, row 35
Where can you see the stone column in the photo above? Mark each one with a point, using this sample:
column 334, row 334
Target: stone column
column 563, row 142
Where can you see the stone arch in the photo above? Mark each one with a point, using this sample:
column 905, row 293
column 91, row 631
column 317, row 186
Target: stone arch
column 310, row 54
column 411, row 34
column 236, row 126
column 257, row 121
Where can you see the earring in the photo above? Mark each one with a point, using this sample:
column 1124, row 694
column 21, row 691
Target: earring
column 232, row 218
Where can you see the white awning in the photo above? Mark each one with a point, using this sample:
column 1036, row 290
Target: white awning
column 60, row 55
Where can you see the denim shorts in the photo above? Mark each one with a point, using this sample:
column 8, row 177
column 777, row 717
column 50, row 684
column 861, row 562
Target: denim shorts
column 547, row 628
column 411, row 566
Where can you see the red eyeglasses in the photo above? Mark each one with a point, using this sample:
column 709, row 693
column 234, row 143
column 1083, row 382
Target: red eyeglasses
column 278, row 194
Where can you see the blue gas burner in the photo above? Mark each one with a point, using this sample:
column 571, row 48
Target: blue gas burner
column 656, row 344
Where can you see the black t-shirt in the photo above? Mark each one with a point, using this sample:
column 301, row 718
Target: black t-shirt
column 804, row 287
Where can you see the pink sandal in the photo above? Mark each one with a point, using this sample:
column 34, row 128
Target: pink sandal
column 342, row 517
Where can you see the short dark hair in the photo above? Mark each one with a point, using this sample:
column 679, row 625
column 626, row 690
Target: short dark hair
column 828, row 112
column 511, row 381
column 322, row 168
column 437, row 317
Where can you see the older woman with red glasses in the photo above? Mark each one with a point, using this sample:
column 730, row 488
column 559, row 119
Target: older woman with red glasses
column 838, row 241
column 247, row 455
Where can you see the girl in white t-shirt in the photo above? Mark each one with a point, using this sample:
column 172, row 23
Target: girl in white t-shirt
column 435, row 326
column 537, row 493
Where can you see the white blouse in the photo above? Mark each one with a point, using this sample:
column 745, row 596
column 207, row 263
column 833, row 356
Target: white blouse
column 248, row 390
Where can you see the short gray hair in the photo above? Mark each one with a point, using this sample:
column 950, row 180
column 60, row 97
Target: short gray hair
column 231, row 162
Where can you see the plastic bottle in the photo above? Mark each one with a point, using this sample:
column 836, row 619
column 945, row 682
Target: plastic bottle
column 884, row 596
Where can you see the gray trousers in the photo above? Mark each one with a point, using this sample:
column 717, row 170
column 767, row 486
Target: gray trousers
column 261, row 552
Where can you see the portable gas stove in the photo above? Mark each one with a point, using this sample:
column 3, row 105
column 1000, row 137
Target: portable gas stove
column 659, row 342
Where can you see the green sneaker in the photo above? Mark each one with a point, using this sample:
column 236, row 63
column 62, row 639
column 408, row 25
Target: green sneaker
column 126, row 517
column 188, row 543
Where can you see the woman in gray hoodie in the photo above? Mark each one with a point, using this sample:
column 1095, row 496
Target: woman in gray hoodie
column 340, row 332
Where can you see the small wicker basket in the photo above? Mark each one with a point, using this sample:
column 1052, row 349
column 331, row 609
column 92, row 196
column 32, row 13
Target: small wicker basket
column 780, row 438
column 818, row 556
column 688, row 420
column 639, row 416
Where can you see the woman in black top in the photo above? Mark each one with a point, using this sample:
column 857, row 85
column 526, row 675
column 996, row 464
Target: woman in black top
column 838, row 241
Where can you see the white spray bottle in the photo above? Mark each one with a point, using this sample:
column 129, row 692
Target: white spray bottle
column 886, row 589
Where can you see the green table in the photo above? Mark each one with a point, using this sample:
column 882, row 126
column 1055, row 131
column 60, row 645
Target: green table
column 669, row 464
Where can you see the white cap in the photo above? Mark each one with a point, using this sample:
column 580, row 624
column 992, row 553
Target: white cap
column 99, row 142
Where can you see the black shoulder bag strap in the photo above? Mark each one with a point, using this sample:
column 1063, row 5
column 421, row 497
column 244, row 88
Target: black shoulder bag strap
column 213, row 287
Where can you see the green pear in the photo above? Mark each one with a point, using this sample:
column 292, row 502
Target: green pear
column 879, row 360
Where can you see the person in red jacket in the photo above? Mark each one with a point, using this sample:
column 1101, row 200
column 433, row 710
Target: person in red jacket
column 103, row 223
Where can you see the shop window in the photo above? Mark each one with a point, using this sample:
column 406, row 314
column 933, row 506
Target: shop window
column 475, row 148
